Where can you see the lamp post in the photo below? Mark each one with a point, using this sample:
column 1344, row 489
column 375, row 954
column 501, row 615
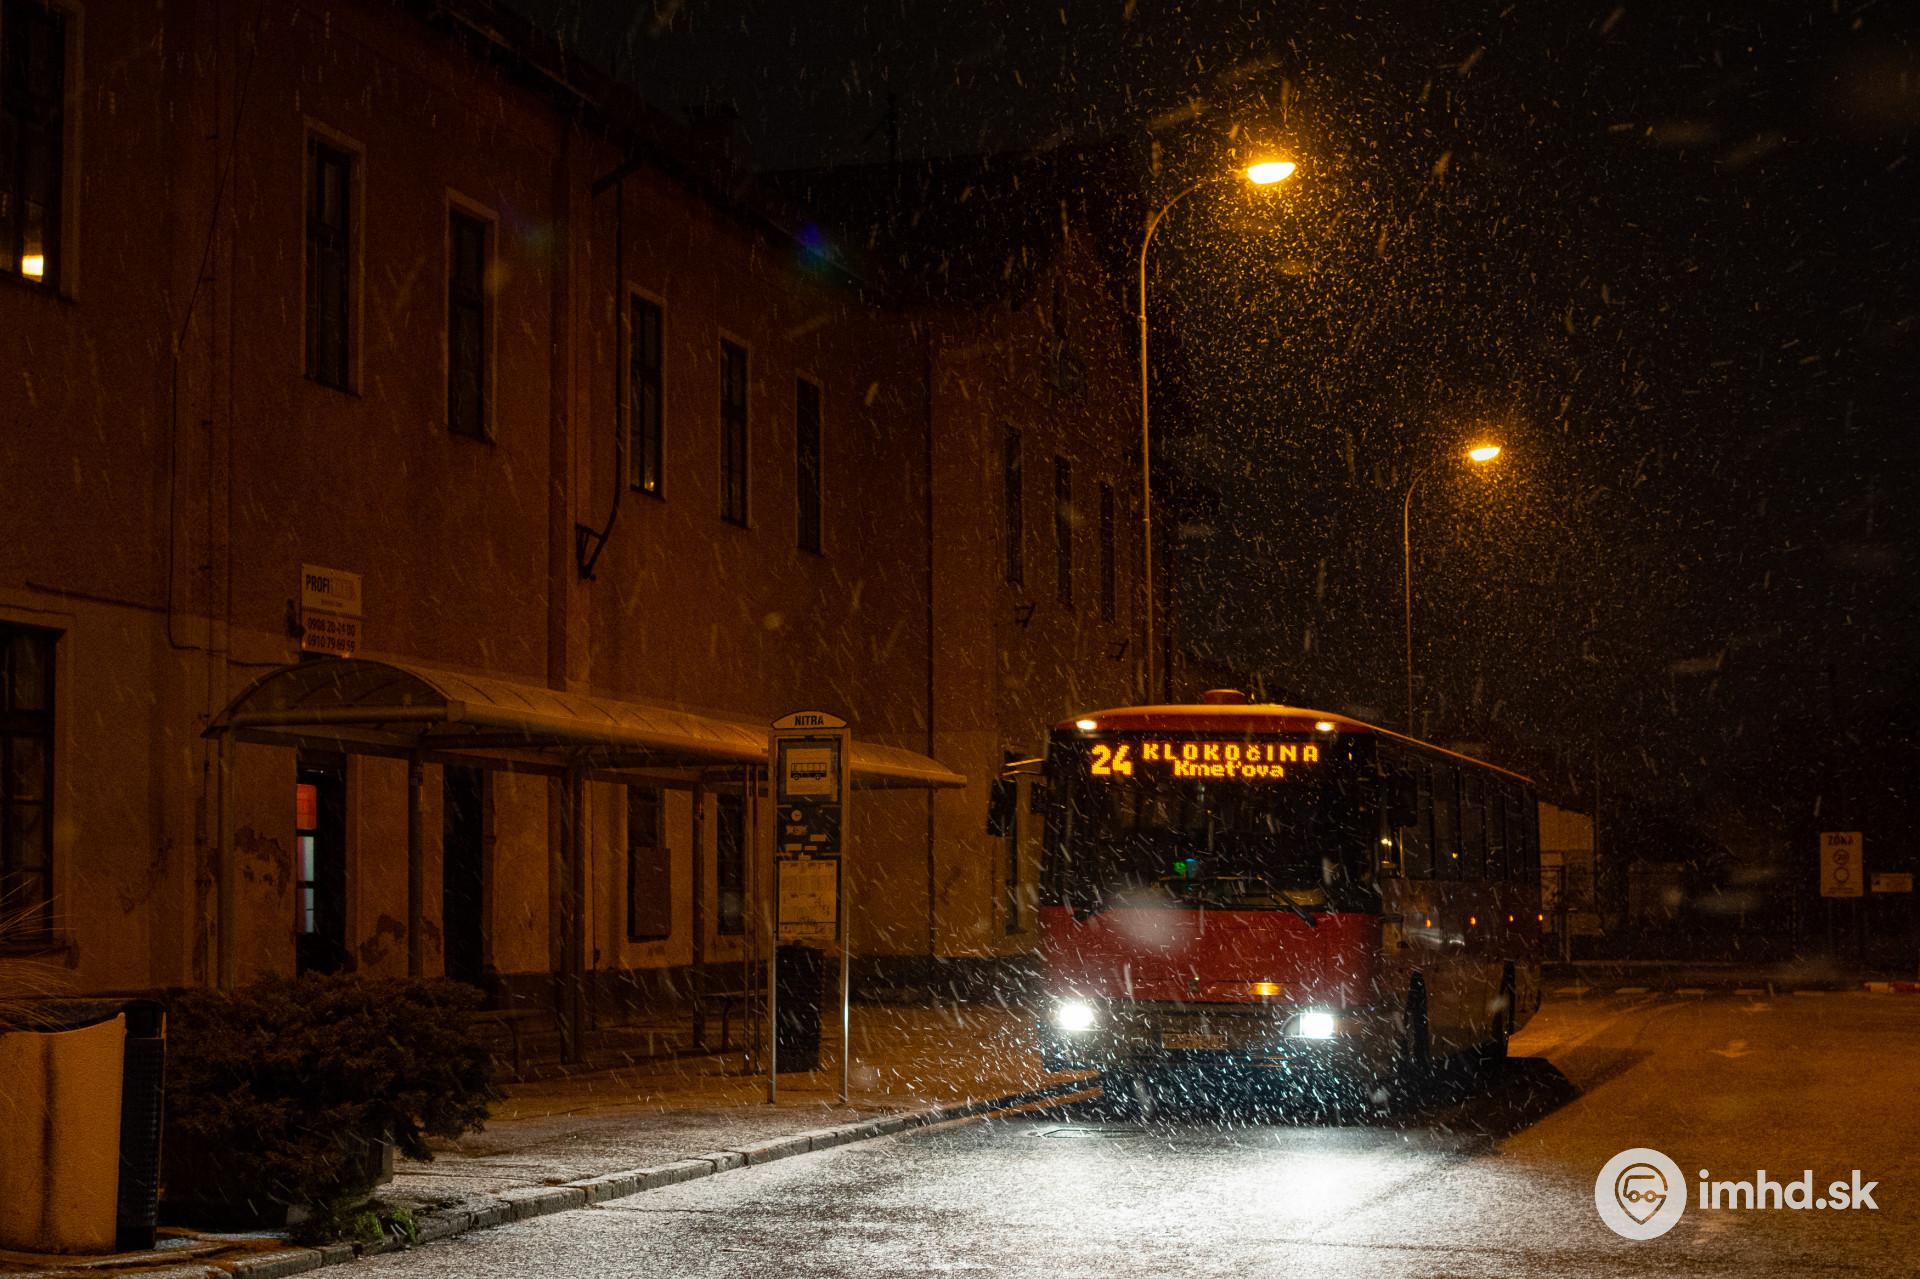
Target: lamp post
column 1263, row 174
column 1480, row 454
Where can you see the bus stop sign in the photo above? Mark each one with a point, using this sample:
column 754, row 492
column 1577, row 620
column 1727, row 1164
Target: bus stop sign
column 809, row 756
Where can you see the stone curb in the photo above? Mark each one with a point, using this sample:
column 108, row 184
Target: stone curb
column 526, row 1202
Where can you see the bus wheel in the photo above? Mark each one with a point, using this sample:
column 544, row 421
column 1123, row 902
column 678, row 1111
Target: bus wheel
column 1493, row 1053
column 1123, row 1096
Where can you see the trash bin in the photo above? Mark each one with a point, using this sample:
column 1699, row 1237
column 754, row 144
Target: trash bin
column 799, row 973
column 80, row 1122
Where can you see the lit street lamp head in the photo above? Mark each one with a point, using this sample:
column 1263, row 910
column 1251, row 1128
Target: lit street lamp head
column 1269, row 172
column 1484, row 452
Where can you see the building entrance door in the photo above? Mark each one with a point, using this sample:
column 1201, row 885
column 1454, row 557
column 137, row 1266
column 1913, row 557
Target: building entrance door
column 320, row 865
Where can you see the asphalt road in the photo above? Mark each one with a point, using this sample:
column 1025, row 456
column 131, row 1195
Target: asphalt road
column 1489, row 1176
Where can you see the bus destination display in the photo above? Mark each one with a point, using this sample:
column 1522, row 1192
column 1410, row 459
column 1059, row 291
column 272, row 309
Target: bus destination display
column 1257, row 761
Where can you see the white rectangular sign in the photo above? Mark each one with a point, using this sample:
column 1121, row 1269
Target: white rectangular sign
column 809, row 899
column 1841, row 871
column 329, row 590
column 1893, row 882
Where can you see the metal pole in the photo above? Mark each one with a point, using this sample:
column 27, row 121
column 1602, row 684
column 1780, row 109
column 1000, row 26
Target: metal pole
column 846, row 1001
column 1406, row 582
column 1146, row 463
column 773, row 990
column 1146, row 435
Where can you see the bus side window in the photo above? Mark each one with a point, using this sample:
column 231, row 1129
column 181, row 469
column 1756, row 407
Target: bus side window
column 1473, row 827
column 1416, row 842
column 1498, row 802
column 1528, row 840
column 1446, row 822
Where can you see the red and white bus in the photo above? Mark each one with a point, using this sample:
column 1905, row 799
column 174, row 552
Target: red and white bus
column 1279, row 888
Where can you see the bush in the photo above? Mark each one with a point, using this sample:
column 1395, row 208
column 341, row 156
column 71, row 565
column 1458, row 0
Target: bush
column 277, row 1093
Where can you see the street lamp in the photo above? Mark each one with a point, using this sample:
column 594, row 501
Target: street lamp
column 1479, row 454
column 1265, row 173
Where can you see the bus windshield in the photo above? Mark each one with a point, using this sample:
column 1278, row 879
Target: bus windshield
column 1158, row 840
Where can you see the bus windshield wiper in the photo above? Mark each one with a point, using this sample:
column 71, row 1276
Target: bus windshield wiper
column 1313, row 921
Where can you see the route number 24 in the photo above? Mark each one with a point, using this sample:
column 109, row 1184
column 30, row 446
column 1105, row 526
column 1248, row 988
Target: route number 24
column 1112, row 761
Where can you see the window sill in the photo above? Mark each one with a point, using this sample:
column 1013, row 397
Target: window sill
column 39, row 288
column 653, row 493
column 56, row 947
column 347, row 391
column 742, row 525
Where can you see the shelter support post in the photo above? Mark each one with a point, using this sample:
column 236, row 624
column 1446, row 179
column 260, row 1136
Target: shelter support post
column 573, row 896
column 416, row 866
column 226, row 908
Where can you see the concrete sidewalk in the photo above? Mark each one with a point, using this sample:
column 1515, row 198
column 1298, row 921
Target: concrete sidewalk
column 565, row 1143
column 1694, row 975
column 551, row 1132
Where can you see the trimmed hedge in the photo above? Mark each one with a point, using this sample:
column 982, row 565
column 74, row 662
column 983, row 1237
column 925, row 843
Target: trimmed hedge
column 277, row 1093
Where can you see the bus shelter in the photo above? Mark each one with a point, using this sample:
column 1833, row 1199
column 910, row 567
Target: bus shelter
column 427, row 715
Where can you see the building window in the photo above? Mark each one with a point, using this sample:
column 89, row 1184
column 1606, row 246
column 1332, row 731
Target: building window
column 644, row 385
column 26, row 778
column 329, row 262
column 1063, row 529
column 1015, row 510
column 649, row 869
column 1109, row 557
column 467, row 324
column 730, row 864
column 806, row 462
column 33, row 65
column 733, row 433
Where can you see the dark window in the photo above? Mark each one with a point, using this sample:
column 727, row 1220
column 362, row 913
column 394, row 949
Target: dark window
column 644, row 384
column 733, row 433
column 1473, row 827
column 463, row 872
column 649, row 869
column 33, row 65
column 1109, row 557
column 1014, row 488
column 806, row 461
column 1523, row 834
column 730, row 864
column 1446, row 822
column 1416, row 841
column 26, row 778
column 1063, row 529
column 1498, row 802
column 467, row 326
column 329, row 262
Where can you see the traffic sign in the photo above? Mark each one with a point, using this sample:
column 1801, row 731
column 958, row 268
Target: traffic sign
column 1841, row 872
column 1893, row 882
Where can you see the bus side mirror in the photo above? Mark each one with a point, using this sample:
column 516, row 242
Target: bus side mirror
column 1002, row 796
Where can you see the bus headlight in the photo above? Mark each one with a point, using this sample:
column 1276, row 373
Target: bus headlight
column 1074, row 1014
column 1314, row 1025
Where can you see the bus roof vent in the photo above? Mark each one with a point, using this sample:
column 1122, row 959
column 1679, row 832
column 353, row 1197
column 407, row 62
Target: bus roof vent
column 1223, row 697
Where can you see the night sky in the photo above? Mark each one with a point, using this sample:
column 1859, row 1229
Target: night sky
column 1664, row 253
